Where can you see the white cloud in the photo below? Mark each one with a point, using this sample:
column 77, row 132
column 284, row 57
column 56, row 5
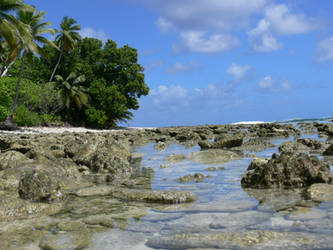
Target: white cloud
column 261, row 38
column 220, row 15
column 90, row 32
column 178, row 67
column 270, row 84
column 266, row 82
column 285, row 23
column 324, row 51
column 169, row 96
column 238, row 71
column 196, row 41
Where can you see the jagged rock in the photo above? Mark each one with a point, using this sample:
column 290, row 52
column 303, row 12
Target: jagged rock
column 222, row 142
column 8, row 125
column 41, row 186
column 11, row 159
column 329, row 150
column 287, row 170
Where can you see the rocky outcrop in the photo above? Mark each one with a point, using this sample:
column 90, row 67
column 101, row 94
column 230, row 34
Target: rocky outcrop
column 274, row 130
column 329, row 150
column 286, row 170
column 41, row 186
column 222, row 142
column 197, row 177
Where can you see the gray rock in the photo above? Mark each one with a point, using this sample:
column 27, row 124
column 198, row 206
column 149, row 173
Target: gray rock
column 10, row 159
column 287, row 170
column 40, row 186
column 214, row 156
column 321, row 192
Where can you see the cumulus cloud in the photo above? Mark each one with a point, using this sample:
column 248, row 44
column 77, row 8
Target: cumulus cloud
column 196, row 41
column 284, row 22
column 268, row 83
column 179, row 67
column 188, row 15
column 324, row 51
column 261, row 38
column 238, row 71
column 278, row 20
column 91, row 32
column 171, row 96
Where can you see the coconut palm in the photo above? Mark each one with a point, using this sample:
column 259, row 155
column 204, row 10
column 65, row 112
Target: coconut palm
column 30, row 22
column 9, row 34
column 66, row 39
column 71, row 91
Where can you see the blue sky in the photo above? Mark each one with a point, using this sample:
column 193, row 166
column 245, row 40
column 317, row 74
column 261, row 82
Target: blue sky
column 218, row 61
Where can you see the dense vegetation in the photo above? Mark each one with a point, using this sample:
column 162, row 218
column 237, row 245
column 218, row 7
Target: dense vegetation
column 72, row 80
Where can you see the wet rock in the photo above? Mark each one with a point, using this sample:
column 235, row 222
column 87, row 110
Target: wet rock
column 56, row 241
column 255, row 145
column 321, row 192
column 293, row 147
column 212, row 169
column 8, row 125
column 197, row 177
column 40, row 186
column 279, row 199
column 12, row 207
column 274, row 130
column 326, row 128
column 304, row 213
column 238, row 240
column 165, row 166
column 240, row 220
column 10, row 159
column 165, row 197
column 174, row 158
column 160, row 146
column 329, row 150
column 214, row 156
column 286, row 170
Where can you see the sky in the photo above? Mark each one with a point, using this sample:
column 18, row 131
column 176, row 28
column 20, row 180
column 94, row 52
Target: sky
column 218, row 61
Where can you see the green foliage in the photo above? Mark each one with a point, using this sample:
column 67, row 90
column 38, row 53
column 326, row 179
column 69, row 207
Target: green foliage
column 24, row 117
column 96, row 117
column 49, row 119
column 96, row 84
column 4, row 113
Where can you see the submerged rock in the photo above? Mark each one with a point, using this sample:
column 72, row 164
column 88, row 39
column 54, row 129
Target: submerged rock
column 197, row 177
column 321, row 192
column 164, row 197
column 214, row 156
column 174, row 158
column 255, row 239
column 286, row 170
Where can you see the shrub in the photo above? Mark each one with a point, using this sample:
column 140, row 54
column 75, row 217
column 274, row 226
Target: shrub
column 24, row 117
column 4, row 113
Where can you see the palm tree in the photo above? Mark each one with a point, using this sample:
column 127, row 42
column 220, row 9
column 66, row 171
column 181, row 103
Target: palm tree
column 9, row 35
column 66, row 39
column 71, row 91
column 30, row 22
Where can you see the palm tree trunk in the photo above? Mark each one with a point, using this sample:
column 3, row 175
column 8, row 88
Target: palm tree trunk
column 5, row 69
column 18, row 84
column 55, row 68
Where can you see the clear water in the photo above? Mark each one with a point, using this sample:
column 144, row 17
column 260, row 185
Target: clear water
column 222, row 205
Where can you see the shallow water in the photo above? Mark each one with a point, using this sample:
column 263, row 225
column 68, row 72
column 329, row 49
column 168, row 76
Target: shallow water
column 222, row 207
column 224, row 216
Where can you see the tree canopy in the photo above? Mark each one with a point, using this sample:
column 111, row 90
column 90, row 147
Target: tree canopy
column 78, row 81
